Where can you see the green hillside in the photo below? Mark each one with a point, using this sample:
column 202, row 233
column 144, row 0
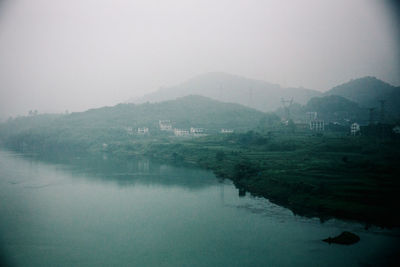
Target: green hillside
column 330, row 108
column 82, row 130
column 337, row 109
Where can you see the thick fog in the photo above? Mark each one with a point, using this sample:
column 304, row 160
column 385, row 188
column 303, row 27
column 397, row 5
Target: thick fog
column 72, row 55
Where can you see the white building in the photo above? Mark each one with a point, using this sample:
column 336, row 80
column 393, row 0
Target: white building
column 196, row 131
column 129, row 130
column 165, row 125
column 317, row 125
column 226, row 131
column 355, row 128
column 312, row 115
column 181, row 132
column 143, row 130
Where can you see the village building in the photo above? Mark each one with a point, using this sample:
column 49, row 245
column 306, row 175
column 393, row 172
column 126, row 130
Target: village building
column 181, row 132
column 143, row 130
column 196, row 131
column 165, row 125
column 129, row 130
column 226, row 131
column 355, row 128
column 312, row 115
column 317, row 125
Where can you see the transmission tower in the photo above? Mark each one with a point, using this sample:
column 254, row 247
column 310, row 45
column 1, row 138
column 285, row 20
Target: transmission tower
column 287, row 103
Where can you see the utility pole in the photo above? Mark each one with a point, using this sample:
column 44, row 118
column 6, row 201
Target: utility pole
column 382, row 112
column 371, row 115
column 382, row 118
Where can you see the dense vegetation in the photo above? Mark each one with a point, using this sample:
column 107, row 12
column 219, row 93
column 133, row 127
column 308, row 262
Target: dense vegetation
column 324, row 176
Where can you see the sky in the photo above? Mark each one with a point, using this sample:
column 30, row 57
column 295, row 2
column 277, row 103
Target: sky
column 79, row 54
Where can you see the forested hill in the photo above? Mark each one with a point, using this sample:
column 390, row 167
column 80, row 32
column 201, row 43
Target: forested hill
column 351, row 101
column 331, row 109
column 185, row 112
column 368, row 91
column 225, row 87
column 335, row 108
column 121, row 121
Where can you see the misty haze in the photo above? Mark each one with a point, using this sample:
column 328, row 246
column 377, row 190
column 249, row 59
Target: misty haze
column 199, row 133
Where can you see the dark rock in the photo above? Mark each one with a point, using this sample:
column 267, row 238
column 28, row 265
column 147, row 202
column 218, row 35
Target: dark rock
column 345, row 238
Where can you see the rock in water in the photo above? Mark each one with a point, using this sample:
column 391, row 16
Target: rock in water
column 345, row 238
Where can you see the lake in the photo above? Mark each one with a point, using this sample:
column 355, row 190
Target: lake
column 99, row 211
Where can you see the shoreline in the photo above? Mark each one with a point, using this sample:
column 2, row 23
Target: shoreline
column 323, row 177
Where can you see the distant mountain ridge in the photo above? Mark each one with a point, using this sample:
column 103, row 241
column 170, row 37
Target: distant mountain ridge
column 264, row 96
column 224, row 87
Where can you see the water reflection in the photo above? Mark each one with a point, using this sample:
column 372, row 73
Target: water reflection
column 125, row 172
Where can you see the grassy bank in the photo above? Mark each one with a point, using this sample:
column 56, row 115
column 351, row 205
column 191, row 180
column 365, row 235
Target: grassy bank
column 325, row 176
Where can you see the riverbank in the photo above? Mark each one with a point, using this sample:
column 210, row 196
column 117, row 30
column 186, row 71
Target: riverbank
column 352, row 178
column 325, row 176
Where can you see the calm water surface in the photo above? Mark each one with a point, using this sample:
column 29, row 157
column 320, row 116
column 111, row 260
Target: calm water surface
column 104, row 212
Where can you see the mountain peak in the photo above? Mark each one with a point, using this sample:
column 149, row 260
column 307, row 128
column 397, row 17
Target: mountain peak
column 367, row 82
column 368, row 91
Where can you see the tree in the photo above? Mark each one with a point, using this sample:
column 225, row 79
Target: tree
column 291, row 126
column 220, row 155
